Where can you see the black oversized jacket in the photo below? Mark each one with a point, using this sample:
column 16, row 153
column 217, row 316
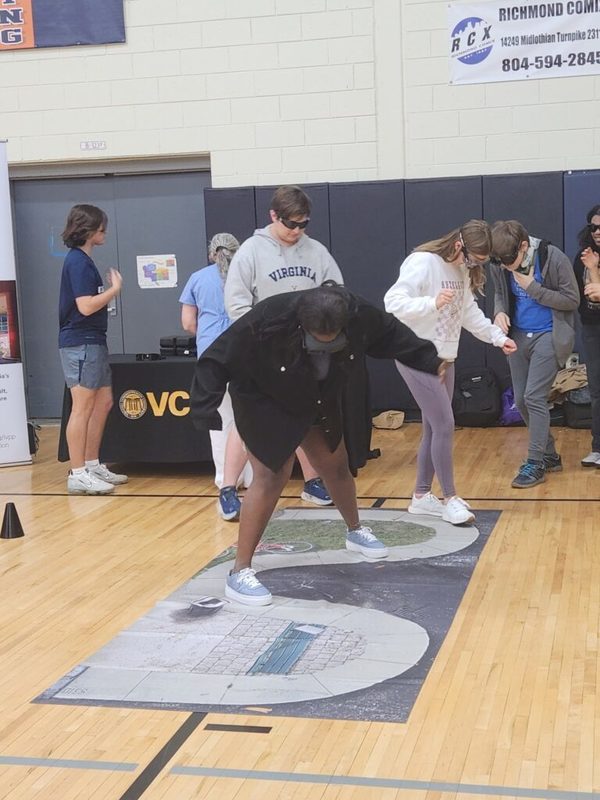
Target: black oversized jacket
column 275, row 396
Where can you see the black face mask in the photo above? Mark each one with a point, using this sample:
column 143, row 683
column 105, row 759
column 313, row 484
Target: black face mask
column 312, row 345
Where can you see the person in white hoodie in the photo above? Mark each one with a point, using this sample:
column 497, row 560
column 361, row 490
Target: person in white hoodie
column 435, row 296
column 277, row 259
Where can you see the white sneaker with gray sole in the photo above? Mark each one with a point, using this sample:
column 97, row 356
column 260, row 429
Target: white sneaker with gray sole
column 102, row 471
column 592, row 460
column 429, row 505
column 87, row 483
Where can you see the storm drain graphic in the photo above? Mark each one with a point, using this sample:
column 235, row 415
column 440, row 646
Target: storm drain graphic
column 344, row 638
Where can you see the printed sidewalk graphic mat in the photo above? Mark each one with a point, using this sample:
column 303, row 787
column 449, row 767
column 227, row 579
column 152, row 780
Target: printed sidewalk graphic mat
column 345, row 638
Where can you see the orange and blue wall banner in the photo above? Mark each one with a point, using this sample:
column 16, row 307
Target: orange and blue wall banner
column 60, row 23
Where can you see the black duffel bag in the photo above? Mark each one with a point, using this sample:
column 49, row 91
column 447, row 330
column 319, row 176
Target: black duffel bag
column 578, row 408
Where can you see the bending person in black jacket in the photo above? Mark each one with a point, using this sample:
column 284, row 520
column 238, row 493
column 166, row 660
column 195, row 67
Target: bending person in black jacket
column 287, row 362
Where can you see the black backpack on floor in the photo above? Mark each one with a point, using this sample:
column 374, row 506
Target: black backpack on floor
column 476, row 400
column 578, row 408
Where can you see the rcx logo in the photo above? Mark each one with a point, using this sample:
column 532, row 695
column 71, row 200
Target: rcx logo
column 471, row 40
column 134, row 404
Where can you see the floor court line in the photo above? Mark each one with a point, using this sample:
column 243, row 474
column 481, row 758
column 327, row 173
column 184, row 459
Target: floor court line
column 162, row 758
column 66, row 763
column 139, row 786
column 384, row 783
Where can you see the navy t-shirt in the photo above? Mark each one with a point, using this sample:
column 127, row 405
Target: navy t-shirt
column 80, row 278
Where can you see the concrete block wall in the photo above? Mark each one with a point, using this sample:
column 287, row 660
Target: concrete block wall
column 275, row 91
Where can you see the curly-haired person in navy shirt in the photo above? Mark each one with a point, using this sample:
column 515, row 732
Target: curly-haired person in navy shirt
column 82, row 345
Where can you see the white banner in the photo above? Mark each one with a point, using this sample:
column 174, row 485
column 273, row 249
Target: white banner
column 511, row 41
column 14, row 440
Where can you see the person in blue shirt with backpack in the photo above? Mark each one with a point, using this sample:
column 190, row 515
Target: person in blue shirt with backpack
column 535, row 299
column 83, row 319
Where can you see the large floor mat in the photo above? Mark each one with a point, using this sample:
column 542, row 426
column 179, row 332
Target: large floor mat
column 345, row 638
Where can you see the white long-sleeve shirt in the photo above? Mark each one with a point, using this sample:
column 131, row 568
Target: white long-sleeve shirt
column 412, row 300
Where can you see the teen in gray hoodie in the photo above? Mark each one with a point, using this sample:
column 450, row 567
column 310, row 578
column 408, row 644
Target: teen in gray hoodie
column 276, row 259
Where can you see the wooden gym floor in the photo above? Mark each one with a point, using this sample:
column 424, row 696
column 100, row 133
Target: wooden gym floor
column 510, row 708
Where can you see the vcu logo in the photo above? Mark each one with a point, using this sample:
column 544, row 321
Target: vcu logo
column 134, row 404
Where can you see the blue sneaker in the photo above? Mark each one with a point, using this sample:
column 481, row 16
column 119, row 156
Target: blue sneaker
column 363, row 540
column 245, row 588
column 530, row 474
column 315, row 492
column 553, row 463
column 229, row 504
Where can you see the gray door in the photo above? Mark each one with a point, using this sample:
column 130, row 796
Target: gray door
column 157, row 215
column 148, row 214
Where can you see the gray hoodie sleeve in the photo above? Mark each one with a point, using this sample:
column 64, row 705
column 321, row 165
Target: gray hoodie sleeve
column 240, row 284
column 560, row 274
column 332, row 272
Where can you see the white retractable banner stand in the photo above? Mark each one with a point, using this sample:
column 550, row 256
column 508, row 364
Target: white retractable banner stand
column 14, row 439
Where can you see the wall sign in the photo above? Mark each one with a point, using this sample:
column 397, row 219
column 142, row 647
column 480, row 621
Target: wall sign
column 496, row 41
column 40, row 23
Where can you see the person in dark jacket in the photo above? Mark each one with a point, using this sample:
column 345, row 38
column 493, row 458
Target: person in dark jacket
column 587, row 273
column 534, row 302
column 287, row 362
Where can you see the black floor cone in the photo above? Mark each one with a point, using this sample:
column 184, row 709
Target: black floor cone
column 11, row 524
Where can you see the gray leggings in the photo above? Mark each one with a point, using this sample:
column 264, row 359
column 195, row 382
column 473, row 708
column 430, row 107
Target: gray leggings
column 435, row 451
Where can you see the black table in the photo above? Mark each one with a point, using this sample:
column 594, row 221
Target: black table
column 150, row 419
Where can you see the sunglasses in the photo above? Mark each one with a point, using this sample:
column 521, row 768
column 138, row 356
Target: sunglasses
column 504, row 261
column 291, row 224
column 593, row 228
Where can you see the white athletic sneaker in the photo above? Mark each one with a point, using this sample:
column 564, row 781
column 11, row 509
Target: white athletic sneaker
column 457, row 511
column 429, row 505
column 103, row 472
column 86, row 483
column 593, row 460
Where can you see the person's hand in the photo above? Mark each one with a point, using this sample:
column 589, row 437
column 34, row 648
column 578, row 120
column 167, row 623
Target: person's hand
column 502, row 320
column 590, row 258
column 523, row 280
column 509, row 347
column 444, row 298
column 115, row 279
column 592, row 291
column 441, row 370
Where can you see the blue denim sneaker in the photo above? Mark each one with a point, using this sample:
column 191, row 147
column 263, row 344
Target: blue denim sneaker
column 315, row 492
column 530, row 474
column 553, row 463
column 245, row 588
column 362, row 540
column 229, row 504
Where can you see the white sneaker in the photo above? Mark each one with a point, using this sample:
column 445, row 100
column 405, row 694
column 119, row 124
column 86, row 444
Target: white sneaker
column 457, row 511
column 103, row 472
column 429, row 504
column 593, row 460
column 86, row 483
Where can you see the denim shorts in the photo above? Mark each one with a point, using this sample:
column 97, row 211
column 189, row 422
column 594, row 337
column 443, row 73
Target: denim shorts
column 86, row 365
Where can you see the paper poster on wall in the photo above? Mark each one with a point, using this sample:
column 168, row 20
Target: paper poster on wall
column 498, row 41
column 157, row 272
column 14, row 439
